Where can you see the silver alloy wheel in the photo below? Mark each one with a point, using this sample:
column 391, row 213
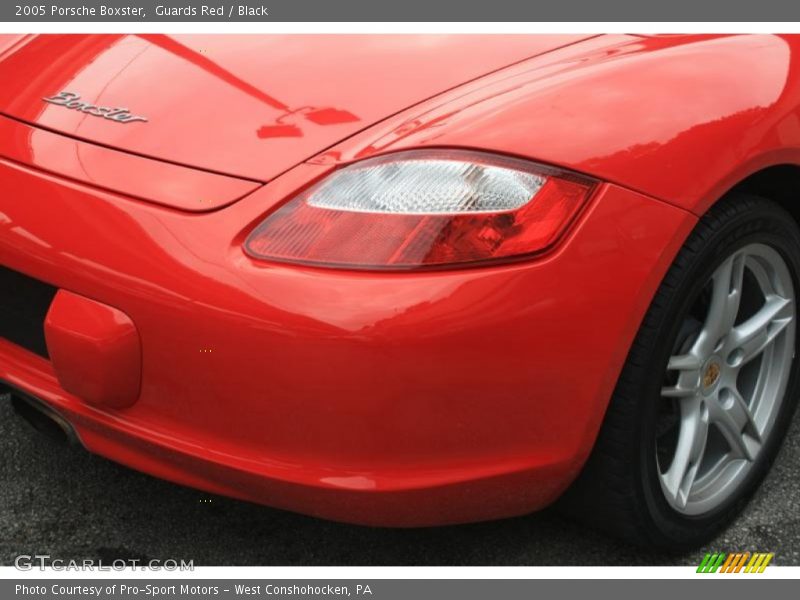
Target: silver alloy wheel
column 726, row 381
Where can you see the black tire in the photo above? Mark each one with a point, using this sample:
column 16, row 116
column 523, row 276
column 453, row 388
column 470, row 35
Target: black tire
column 619, row 490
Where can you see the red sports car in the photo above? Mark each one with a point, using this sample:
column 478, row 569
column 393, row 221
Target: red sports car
column 410, row 280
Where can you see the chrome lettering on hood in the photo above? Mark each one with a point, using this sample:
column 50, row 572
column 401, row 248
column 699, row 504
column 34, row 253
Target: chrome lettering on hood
column 73, row 101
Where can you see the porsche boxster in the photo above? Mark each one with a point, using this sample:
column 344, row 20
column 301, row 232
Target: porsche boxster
column 410, row 280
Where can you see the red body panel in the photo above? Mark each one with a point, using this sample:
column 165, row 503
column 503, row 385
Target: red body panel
column 356, row 382
column 251, row 106
column 136, row 176
column 682, row 118
column 385, row 398
column 94, row 349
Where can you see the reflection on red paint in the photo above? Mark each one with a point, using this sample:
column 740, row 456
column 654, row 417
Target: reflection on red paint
column 273, row 131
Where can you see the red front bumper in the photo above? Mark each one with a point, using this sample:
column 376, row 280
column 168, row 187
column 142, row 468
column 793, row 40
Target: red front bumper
column 397, row 398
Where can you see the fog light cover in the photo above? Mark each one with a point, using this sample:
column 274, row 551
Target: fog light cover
column 424, row 208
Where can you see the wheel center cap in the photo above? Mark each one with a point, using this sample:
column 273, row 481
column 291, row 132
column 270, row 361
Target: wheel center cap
column 711, row 374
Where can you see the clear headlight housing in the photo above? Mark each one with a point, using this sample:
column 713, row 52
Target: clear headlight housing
column 423, row 208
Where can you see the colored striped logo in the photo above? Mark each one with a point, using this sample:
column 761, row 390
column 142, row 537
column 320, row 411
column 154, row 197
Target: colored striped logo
column 738, row 562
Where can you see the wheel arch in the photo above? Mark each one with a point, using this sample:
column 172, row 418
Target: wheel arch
column 779, row 183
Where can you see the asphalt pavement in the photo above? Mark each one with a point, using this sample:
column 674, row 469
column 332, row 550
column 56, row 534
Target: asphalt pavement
column 64, row 502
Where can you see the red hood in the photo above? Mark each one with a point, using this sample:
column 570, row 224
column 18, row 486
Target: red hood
column 250, row 106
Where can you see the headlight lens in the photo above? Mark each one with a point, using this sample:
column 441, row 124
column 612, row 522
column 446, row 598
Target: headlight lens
column 420, row 209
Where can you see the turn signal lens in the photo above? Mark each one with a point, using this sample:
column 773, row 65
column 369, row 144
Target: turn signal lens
column 421, row 209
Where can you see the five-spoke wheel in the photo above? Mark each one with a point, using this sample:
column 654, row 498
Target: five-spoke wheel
column 709, row 387
column 726, row 381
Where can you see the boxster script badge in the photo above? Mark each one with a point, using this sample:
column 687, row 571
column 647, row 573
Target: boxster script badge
column 73, row 101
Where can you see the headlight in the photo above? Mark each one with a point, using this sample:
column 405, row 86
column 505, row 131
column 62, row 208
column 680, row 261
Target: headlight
column 423, row 208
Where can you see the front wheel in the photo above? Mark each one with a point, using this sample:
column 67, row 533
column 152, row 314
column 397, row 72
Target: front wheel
column 709, row 387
